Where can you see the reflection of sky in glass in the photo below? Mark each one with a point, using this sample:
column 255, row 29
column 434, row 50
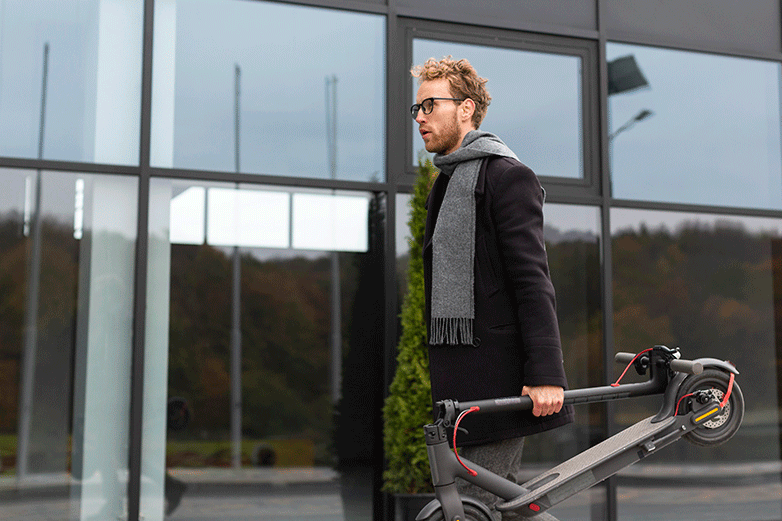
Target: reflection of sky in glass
column 714, row 137
column 268, row 217
column 12, row 196
column 93, row 87
column 535, row 107
column 285, row 54
column 566, row 222
column 623, row 219
column 68, row 199
column 402, row 227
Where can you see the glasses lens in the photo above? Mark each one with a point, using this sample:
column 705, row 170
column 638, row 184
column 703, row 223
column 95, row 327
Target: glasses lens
column 427, row 105
column 414, row 110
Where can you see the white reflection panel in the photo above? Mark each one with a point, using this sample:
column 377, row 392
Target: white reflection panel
column 250, row 218
column 330, row 222
column 187, row 216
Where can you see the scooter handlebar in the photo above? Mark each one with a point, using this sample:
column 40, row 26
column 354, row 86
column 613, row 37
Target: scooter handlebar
column 686, row 366
column 680, row 366
column 624, row 358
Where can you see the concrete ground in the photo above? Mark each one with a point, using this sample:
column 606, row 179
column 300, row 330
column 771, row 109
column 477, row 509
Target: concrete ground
column 746, row 492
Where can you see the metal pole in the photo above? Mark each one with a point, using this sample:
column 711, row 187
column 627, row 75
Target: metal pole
column 237, row 126
column 236, row 317
column 31, row 330
column 336, row 300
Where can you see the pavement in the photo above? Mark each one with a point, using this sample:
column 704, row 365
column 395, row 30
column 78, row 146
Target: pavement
column 747, row 491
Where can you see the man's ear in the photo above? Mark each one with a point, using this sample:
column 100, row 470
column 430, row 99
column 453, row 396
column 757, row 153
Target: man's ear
column 467, row 110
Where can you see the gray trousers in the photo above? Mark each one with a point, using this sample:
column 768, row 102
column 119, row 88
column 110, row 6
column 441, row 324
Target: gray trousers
column 504, row 459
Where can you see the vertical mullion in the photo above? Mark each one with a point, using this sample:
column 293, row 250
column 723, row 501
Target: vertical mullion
column 395, row 169
column 140, row 289
column 607, row 264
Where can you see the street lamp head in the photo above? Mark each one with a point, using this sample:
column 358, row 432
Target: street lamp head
column 624, row 75
column 645, row 113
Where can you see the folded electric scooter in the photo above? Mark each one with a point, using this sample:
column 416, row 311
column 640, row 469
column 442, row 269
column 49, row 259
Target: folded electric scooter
column 701, row 402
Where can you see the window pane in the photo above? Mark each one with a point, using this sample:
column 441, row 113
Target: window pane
column 283, row 91
column 67, row 269
column 711, row 134
column 535, row 107
column 572, row 243
column 711, row 285
column 277, row 396
column 89, row 53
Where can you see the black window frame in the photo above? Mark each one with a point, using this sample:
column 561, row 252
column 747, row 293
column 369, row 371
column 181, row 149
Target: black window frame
column 558, row 188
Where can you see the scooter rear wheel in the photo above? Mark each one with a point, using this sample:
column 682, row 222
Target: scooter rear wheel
column 712, row 384
column 471, row 513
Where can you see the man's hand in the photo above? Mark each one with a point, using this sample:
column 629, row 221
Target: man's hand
column 546, row 399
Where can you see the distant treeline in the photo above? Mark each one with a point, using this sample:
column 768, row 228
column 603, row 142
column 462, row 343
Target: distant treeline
column 713, row 291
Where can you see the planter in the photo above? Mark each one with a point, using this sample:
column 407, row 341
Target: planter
column 407, row 506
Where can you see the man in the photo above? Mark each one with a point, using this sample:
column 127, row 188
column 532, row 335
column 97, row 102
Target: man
column 490, row 305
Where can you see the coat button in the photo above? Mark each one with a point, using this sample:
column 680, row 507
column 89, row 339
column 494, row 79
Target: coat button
column 476, row 342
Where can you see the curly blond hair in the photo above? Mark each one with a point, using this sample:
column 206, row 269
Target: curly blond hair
column 464, row 82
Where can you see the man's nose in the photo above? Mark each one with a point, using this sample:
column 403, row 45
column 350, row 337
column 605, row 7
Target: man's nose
column 419, row 117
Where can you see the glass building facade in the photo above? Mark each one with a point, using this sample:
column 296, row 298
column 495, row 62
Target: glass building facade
column 203, row 208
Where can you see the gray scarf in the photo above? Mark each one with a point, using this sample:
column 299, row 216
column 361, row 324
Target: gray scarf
column 453, row 241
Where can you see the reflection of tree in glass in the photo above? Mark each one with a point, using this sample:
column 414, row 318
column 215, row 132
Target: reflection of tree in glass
column 574, row 261
column 712, row 290
column 56, row 325
column 285, row 329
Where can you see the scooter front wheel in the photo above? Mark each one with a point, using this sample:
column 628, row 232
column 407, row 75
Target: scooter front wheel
column 712, row 384
column 471, row 513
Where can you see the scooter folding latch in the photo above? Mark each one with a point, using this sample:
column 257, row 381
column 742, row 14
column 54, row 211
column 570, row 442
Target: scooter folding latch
column 649, row 446
column 448, row 412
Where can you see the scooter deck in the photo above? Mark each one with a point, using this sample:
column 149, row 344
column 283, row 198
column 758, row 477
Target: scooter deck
column 586, row 469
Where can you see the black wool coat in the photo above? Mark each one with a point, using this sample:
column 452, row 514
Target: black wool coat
column 516, row 334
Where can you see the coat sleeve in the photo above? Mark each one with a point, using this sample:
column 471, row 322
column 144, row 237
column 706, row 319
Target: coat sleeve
column 517, row 210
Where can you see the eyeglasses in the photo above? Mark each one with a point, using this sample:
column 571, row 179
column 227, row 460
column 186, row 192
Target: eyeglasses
column 427, row 105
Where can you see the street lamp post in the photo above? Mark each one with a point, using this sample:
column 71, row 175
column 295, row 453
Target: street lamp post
column 236, row 316
column 336, row 301
column 31, row 329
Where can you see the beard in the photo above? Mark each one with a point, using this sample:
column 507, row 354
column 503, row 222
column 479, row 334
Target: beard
column 445, row 140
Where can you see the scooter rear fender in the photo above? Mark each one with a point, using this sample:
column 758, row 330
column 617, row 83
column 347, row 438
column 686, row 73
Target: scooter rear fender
column 716, row 363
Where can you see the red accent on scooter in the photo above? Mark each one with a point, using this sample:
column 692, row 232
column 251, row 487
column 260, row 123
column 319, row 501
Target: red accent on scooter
column 727, row 394
column 616, row 384
column 455, row 430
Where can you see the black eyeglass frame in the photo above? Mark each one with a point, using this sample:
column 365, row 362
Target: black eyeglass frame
column 420, row 106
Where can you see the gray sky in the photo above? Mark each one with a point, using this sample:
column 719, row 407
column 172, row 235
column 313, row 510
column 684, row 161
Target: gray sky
column 714, row 137
column 285, row 54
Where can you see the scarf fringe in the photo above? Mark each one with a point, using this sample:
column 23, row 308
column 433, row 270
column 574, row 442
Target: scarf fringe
column 451, row 331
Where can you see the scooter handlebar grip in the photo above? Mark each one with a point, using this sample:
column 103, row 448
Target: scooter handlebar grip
column 624, row 358
column 686, row 366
